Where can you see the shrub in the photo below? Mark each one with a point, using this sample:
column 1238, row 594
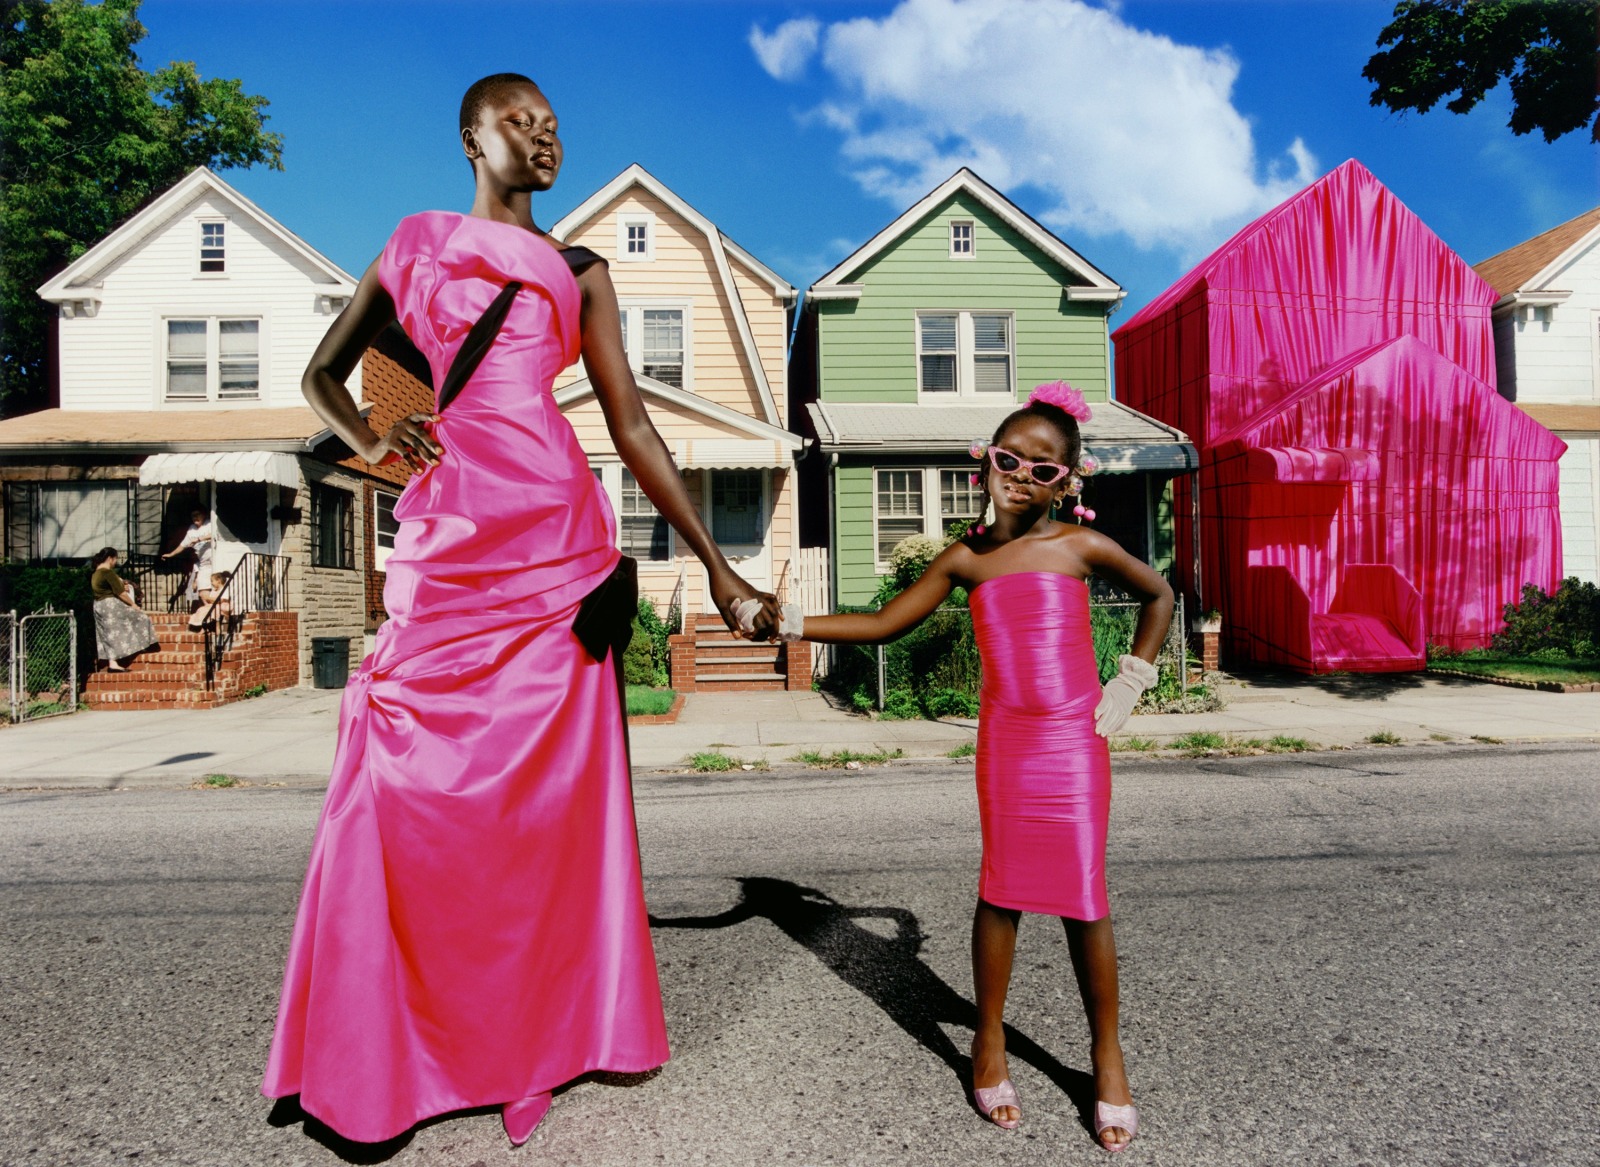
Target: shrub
column 1111, row 630
column 949, row 703
column 638, row 662
column 1566, row 620
column 901, row 705
column 28, row 587
column 658, row 631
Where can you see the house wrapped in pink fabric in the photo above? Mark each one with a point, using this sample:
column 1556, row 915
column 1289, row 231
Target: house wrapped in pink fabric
column 1363, row 491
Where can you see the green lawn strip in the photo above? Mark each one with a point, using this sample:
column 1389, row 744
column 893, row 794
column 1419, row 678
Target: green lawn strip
column 1570, row 672
column 840, row 759
column 968, row 749
column 643, row 701
column 712, row 762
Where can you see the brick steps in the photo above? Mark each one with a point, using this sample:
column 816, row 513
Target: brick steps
column 710, row 659
column 265, row 651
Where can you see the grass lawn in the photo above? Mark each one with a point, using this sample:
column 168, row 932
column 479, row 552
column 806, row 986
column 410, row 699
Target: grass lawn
column 642, row 699
column 1567, row 672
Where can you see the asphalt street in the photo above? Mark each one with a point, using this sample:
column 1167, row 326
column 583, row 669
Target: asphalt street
column 1376, row 957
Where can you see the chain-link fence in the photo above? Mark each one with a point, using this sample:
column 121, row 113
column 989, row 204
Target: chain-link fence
column 8, row 665
column 46, row 672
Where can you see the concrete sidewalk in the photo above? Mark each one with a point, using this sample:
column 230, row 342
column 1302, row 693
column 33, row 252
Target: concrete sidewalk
column 289, row 736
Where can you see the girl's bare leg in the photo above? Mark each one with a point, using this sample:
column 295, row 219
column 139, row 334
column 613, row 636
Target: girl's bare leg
column 994, row 941
column 1094, row 960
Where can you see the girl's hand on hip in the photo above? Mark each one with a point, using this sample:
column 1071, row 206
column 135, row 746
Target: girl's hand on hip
column 409, row 441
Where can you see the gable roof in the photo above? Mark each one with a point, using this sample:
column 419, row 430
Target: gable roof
column 1529, row 264
column 720, row 244
column 711, row 410
column 965, row 181
column 81, row 274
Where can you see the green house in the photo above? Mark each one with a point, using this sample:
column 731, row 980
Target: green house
column 924, row 339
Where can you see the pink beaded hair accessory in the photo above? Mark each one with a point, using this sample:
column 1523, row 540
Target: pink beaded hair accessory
column 1062, row 396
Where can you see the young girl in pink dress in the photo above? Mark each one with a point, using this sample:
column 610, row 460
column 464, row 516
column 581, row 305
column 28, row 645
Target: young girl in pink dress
column 1044, row 766
column 472, row 930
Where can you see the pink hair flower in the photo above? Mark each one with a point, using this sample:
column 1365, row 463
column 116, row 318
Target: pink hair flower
column 1062, row 396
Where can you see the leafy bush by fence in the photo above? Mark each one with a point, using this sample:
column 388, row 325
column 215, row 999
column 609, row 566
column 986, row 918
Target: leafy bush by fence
column 28, row 587
column 648, row 660
column 1563, row 623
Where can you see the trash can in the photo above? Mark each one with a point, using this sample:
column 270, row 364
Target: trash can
column 330, row 661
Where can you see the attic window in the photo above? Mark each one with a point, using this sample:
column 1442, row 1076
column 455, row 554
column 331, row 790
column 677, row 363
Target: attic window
column 961, row 241
column 636, row 237
column 213, row 256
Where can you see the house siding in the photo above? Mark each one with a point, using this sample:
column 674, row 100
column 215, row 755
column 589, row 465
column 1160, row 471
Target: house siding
column 115, row 359
column 330, row 600
column 867, row 347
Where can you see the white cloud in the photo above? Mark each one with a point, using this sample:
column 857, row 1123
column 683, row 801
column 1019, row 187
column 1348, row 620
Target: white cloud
column 785, row 50
column 1121, row 130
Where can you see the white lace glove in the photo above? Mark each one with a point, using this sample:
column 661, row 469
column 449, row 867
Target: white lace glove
column 790, row 627
column 1121, row 694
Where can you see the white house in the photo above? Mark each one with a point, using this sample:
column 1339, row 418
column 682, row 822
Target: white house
column 1547, row 350
column 183, row 336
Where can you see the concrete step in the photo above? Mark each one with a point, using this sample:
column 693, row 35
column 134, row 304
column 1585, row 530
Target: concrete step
column 738, row 682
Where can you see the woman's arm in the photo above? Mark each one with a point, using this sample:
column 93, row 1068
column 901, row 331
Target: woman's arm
column 901, row 614
column 644, row 453
column 370, row 310
column 1108, row 560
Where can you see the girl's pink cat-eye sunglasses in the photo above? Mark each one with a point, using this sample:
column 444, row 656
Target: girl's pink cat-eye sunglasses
column 1044, row 473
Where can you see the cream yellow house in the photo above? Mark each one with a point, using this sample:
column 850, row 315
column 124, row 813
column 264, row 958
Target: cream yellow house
column 705, row 325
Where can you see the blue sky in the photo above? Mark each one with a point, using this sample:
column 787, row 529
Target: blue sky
column 1143, row 133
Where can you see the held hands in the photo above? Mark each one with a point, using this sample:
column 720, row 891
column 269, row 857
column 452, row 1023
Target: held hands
column 410, row 441
column 729, row 591
column 1121, row 694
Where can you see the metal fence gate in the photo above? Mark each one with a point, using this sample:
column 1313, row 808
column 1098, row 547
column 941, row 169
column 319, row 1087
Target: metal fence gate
column 8, row 664
column 43, row 653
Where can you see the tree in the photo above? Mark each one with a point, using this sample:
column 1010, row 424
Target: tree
column 1548, row 49
column 87, row 137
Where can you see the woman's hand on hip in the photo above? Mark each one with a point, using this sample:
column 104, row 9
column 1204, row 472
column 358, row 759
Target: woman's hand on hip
column 409, row 441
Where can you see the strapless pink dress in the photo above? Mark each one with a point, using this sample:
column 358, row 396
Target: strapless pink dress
column 1044, row 775
column 472, row 928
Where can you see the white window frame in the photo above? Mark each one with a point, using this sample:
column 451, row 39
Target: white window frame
column 213, row 360
column 200, row 247
column 610, row 476
column 972, row 239
column 645, row 219
column 380, row 553
column 933, row 519
column 633, row 309
column 966, row 365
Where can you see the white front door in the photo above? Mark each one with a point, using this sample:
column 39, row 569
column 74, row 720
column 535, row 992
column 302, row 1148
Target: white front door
column 738, row 509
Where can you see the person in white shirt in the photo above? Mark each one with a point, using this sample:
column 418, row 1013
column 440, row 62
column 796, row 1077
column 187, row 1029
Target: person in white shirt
column 199, row 537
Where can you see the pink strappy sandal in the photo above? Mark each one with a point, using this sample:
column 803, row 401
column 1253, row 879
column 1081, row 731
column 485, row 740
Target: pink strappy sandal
column 522, row 1118
column 992, row 1098
column 1107, row 1116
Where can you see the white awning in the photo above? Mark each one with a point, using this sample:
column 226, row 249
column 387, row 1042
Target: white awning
column 730, row 454
column 221, row 466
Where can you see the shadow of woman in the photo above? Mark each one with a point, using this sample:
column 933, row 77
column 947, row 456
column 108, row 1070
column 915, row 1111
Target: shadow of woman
column 887, row 970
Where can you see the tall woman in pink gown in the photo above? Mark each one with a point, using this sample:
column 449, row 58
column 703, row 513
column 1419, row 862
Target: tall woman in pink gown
column 472, row 930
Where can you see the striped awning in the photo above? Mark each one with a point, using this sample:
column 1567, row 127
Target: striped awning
column 730, row 454
column 221, row 466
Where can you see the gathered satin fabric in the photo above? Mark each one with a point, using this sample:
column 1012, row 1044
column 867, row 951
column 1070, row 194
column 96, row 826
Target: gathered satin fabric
column 472, row 928
column 1044, row 775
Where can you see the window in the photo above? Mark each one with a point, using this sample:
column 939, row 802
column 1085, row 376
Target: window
column 213, row 251
column 384, row 527
column 964, row 354
column 213, row 360
column 76, row 519
column 655, row 335
column 736, row 506
column 961, row 239
column 959, row 498
column 662, row 355
column 643, row 530
column 332, row 530
column 899, row 510
column 636, row 237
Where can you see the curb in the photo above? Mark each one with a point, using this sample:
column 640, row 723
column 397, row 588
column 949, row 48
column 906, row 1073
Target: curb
column 666, row 718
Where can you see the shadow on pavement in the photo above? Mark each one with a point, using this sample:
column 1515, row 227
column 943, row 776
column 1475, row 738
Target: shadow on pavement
column 887, row 970
column 287, row 1112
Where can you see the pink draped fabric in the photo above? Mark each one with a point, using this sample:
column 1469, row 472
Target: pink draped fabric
column 1334, row 364
column 472, row 928
column 1044, row 775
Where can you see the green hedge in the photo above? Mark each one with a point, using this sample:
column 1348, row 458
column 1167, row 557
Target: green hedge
column 1559, row 624
column 28, row 587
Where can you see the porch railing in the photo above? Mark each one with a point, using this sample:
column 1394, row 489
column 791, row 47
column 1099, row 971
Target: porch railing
column 162, row 585
column 258, row 583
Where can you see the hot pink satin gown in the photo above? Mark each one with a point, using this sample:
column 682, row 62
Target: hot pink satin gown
column 473, row 929
column 1044, row 775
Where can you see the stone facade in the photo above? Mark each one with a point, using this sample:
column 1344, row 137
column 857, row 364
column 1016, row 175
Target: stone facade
column 331, row 601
